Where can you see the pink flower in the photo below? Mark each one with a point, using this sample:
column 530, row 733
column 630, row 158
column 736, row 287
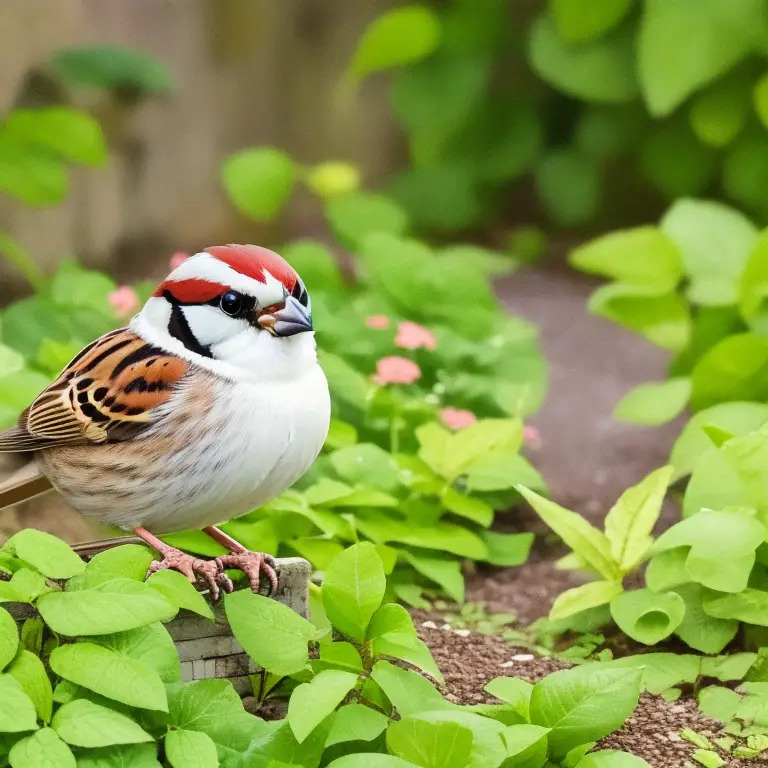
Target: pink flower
column 455, row 418
column 379, row 322
column 124, row 300
column 178, row 259
column 414, row 336
column 531, row 437
column 396, row 370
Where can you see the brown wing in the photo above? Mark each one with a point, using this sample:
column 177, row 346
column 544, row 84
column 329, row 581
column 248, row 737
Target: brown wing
column 107, row 393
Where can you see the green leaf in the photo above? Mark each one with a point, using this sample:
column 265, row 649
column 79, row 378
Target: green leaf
column 397, row 37
column 74, row 286
column 67, row 132
column 30, row 674
column 718, row 115
column 629, row 523
column 348, row 385
column 467, row 506
column 708, row 758
column 753, row 288
column 319, row 269
column 312, row 702
column 353, row 589
column 190, row 749
column 177, row 589
column 660, row 671
column 569, row 186
column 367, row 464
column 48, row 554
column 279, row 744
column 442, row 570
column 9, row 638
column 586, row 541
column 712, row 38
column 526, row 745
column 513, row 691
column 646, row 616
column 17, row 711
column 259, row 181
column 115, row 606
column 611, row 758
column 273, row 635
column 750, row 606
column 369, row 760
column 664, row 320
column 403, row 644
column 112, row 66
column 700, row 630
column 643, row 256
column 584, row 597
column 357, row 214
column 43, row 749
column 110, row 674
column 714, row 240
column 667, row 570
column 760, row 96
column 579, row 21
column 476, row 441
column 409, row 692
column 654, row 403
column 507, row 549
column 124, row 756
column 734, row 666
column 128, row 561
column 356, row 722
column 151, row 645
column 430, row 745
column 583, row 704
column 719, row 702
column 85, row 724
column 602, row 70
column 31, row 175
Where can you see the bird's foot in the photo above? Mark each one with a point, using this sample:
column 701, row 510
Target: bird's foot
column 209, row 572
column 254, row 565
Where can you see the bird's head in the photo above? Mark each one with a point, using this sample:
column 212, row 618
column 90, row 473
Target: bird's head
column 238, row 310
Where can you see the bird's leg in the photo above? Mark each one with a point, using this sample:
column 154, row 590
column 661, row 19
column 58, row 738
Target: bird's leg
column 252, row 564
column 211, row 571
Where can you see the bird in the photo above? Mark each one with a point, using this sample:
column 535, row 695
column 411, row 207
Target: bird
column 207, row 405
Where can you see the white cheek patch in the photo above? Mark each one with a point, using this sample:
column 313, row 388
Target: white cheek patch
column 210, row 325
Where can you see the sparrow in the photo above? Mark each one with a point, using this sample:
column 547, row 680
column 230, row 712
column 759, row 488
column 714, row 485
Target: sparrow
column 210, row 403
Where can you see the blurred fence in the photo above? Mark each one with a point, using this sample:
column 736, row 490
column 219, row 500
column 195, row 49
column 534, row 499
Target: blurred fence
column 245, row 72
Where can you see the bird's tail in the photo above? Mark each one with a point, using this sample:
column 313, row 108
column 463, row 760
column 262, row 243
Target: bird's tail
column 23, row 485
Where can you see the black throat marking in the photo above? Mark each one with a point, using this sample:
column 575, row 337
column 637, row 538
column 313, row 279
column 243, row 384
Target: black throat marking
column 179, row 328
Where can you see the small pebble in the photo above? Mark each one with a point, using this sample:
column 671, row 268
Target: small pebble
column 507, row 664
column 447, row 627
column 523, row 657
column 461, row 632
column 429, row 624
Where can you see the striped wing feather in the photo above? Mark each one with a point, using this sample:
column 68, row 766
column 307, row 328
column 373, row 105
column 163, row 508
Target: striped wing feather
column 107, row 393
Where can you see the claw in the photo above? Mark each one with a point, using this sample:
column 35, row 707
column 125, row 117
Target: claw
column 253, row 565
column 209, row 571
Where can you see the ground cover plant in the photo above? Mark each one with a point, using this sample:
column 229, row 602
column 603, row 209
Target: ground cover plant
column 94, row 679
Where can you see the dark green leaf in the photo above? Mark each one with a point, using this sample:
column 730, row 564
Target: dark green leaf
column 569, row 186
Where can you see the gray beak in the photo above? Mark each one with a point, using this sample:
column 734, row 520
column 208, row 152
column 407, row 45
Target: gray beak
column 293, row 318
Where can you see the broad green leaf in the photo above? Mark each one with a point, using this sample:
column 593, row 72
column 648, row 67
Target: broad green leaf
column 718, row 114
column 646, row 616
column 399, row 36
column 72, row 285
column 714, row 240
column 113, row 67
column 312, row 702
column 367, row 464
column 353, row 589
column 733, row 666
column 431, row 745
column 43, row 749
column 664, row 320
column 584, row 597
column 31, row 175
column 48, row 554
column 319, row 269
column 190, row 749
column 370, row 760
column 30, row 674
column 660, row 671
column 719, row 702
column 667, row 570
column 69, row 133
column 17, row 710
column 579, row 21
column 114, row 606
column 526, row 745
column 501, row 470
column 110, row 674
column 611, row 758
column 341, row 655
column 507, row 549
column 348, row 385
column 408, row 648
column 600, row 70
column 761, row 99
column 85, row 724
column 357, row 214
column 569, row 186
column 583, row 704
column 654, row 403
column 469, row 507
column 698, row 629
column 711, row 36
column 722, row 545
column 442, row 570
column 25, row 586
column 9, row 638
column 513, row 691
column 151, row 645
column 476, row 441
column 128, row 561
column 356, row 722
column 693, row 444
column 177, row 589
column 259, row 181
column 629, row 523
column 409, row 692
column 586, row 541
column 753, row 288
column 643, row 256
column 749, row 606
column 124, row 756
column 280, row 745
column 273, row 635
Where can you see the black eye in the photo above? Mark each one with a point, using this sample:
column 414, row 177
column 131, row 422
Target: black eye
column 231, row 303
